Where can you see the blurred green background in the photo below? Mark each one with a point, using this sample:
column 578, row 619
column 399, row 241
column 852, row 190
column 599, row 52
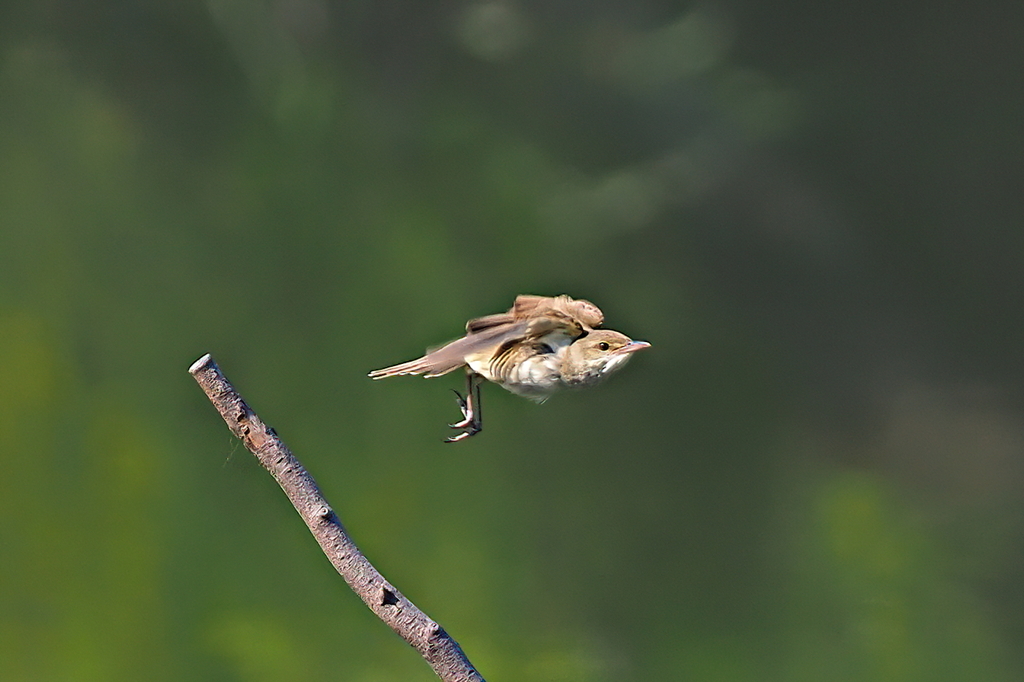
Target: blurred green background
column 812, row 210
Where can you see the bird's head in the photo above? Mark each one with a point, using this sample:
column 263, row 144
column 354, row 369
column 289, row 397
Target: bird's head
column 597, row 354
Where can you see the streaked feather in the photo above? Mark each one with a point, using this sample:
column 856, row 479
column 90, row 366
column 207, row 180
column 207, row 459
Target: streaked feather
column 450, row 356
column 494, row 344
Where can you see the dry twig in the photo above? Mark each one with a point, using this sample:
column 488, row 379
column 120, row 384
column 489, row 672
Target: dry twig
column 441, row 651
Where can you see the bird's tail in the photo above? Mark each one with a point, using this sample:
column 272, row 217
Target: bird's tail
column 427, row 366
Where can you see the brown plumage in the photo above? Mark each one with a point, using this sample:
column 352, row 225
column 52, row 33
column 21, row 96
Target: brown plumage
column 530, row 319
column 530, row 350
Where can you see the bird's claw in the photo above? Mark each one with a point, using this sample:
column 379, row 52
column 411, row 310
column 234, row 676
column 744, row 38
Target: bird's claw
column 471, row 431
column 467, row 417
column 469, row 405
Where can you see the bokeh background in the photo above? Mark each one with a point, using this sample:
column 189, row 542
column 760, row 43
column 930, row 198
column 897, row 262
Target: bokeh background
column 812, row 210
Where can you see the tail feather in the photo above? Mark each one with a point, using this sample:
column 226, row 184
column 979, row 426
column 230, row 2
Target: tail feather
column 425, row 366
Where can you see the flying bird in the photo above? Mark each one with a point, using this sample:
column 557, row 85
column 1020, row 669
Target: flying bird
column 542, row 344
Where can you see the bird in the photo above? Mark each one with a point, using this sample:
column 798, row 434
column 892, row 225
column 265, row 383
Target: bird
column 540, row 345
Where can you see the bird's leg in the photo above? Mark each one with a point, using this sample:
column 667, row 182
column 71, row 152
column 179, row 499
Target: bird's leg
column 466, row 417
column 470, row 403
column 472, row 420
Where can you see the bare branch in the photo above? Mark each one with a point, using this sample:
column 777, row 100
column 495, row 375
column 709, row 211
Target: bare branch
column 435, row 645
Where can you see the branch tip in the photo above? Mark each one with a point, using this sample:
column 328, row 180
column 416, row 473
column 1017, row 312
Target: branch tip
column 201, row 364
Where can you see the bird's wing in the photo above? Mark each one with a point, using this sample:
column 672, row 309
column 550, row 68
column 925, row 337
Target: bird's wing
column 531, row 319
column 453, row 355
column 528, row 306
column 546, row 333
column 586, row 312
column 479, row 324
column 552, row 322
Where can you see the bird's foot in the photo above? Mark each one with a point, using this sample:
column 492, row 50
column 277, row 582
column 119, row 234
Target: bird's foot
column 470, row 423
column 467, row 414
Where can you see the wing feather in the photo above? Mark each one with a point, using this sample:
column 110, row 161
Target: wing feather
column 450, row 356
column 529, row 305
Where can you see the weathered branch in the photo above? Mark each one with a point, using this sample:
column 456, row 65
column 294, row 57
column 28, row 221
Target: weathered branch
column 435, row 645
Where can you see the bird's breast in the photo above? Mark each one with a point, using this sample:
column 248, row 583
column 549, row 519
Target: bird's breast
column 534, row 377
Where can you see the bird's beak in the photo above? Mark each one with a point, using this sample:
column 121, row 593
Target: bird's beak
column 633, row 346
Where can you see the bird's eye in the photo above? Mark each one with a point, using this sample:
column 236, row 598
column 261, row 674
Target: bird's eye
column 603, row 345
